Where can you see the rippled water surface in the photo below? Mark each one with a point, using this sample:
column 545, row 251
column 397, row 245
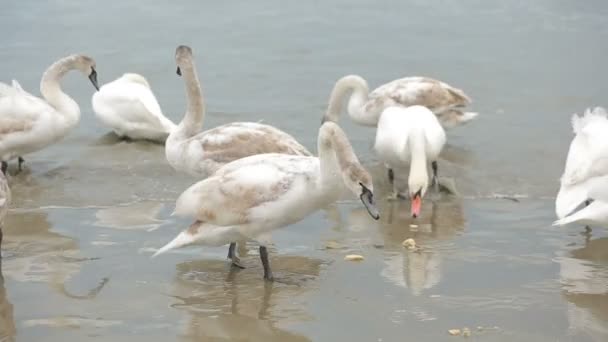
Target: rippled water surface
column 89, row 212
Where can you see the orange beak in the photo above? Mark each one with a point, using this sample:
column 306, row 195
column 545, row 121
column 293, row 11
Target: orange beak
column 416, row 205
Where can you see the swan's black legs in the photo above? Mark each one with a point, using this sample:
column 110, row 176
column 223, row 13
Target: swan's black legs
column 4, row 167
column 264, row 257
column 391, row 176
column 435, row 179
column 587, row 228
column 232, row 256
column 21, row 161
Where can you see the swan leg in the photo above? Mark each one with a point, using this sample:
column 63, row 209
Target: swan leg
column 264, row 257
column 4, row 167
column 435, row 179
column 236, row 262
column 21, row 161
column 394, row 195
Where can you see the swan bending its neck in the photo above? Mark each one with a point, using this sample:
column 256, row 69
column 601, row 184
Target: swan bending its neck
column 192, row 123
column 359, row 95
column 51, row 89
column 338, row 159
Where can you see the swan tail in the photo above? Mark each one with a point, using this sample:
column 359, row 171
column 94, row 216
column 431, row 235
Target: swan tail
column 453, row 118
column 468, row 116
column 564, row 221
column 181, row 240
column 185, row 238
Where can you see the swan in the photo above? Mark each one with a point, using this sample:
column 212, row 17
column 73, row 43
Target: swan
column 365, row 108
column 250, row 197
column 29, row 123
column 5, row 201
column 584, row 182
column 128, row 106
column 410, row 136
column 198, row 153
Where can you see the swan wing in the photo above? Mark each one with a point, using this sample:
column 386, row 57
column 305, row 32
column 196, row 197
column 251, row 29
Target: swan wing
column 237, row 140
column 20, row 110
column 433, row 94
column 586, row 163
column 124, row 103
column 233, row 194
column 588, row 152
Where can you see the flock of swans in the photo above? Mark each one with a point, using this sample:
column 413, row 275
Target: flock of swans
column 256, row 178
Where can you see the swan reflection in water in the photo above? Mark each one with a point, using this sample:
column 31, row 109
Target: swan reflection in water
column 238, row 306
column 33, row 253
column 8, row 331
column 584, row 278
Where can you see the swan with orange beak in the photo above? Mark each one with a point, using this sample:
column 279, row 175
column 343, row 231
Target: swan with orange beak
column 410, row 137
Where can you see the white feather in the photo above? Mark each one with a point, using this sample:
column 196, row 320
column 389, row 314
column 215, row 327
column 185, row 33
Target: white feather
column 586, row 171
column 128, row 106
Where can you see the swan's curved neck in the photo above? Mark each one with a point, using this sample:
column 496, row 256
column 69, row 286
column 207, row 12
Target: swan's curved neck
column 359, row 92
column 192, row 123
column 418, row 168
column 52, row 92
column 336, row 155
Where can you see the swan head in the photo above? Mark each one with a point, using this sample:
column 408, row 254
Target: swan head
column 183, row 58
column 87, row 65
column 418, row 184
column 358, row 180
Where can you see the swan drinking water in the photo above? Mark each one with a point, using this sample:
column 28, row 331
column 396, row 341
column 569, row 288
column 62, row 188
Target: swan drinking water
column 410, row 136
column 128, row 106
column 583, row 194
column 365, row 108
column 29, row 123
column 250, row 197
column 198, row 153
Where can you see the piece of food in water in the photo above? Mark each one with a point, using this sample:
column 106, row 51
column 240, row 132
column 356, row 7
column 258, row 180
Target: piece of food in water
column 454, row 332
column 354, row 257
column 409, row 243
column 333, row 245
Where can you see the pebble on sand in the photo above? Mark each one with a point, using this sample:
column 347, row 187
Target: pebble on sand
column 354, row 257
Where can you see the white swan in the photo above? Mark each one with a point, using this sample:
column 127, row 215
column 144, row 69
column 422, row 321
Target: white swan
column 585, row 179
column 128, row 106
column 201, row 153
column 5, row 201
column 250, row 197
column 410, row 136
column 29, row 123
column 365, row 108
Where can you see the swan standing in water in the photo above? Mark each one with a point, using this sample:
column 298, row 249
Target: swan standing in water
column 410, row 136
column 128, row 106
column 198, row 153
column 250, row 197
column 5, row 201
column 365, row 108
column 583, row 194
column 29, row 123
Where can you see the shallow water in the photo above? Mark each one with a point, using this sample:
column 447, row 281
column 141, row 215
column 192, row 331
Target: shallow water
column 89, row 211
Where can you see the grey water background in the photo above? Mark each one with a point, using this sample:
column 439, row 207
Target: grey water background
column 89, row 211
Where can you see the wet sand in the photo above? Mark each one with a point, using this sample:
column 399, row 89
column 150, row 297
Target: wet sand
column 89, row 212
